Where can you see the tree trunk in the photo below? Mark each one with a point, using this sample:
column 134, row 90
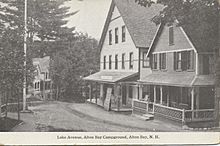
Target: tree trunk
column 1, row 104
column 6, row 103
column 18, row 106
column 57, row 94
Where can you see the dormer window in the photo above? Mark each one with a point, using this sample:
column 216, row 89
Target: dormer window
column 171, row 35
column 110, row 37
column 116, row 35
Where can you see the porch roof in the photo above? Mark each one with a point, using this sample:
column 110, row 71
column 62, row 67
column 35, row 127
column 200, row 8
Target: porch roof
column 111, row 77
column 178, row 79
column 204, row 80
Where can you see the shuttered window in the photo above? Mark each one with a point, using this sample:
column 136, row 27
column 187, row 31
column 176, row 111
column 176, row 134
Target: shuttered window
column 116, row 61
column 123, row 61
column 110, row 37
column 154, row 61
column 162, row 61
column 184, row 60
column 116, row 35
column 123, row 33
column 131, row 60
column 110, row 61
column 104, row 62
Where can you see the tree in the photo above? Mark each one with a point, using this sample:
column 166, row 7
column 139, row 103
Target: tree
column 46, row 19
column 70, row 65
column 12, row 66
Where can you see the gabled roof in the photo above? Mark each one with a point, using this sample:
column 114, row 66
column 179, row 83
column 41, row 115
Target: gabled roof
column 191, row 35
column 43, row 63
column 137, row 20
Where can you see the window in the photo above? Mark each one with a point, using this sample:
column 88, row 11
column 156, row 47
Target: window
column 110, row 37
column 207, row 64
column 190, row 60
column 46, row 76
column 104, row 62
column 154, row 61
column 162, row 61
column 35, row 85
column 110, row 61
column 116, row 61
column 184, row 60
column 123, row 33
column 131, row 61
column 146, row 62
column 171, row 37
column 116, row 35
column 123, row 61
column 177, row 61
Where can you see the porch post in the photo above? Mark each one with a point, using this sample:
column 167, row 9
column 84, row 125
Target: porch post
column 96, row 93
column 140, row 91
column 217, row 109
column 192, row 101
column 197, row 99
column 90, row 92
column 181, row 94
column 168, row 96
column 127, row 92
column 155, row 94
column 101, row 91
column 161, row 95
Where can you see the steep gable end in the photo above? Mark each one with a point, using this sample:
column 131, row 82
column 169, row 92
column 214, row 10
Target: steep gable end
column 137, row 20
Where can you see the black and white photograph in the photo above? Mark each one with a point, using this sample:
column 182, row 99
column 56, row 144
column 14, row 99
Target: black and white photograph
column 109, row 66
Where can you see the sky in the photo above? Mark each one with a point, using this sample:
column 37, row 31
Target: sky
column 91, row 16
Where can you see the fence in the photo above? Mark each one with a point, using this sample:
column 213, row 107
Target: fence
column 143, row 107
column 199, row 115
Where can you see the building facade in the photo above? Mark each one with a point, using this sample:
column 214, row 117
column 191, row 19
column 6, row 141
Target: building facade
column 181, row 86
column 128, row 30
column 42, row 82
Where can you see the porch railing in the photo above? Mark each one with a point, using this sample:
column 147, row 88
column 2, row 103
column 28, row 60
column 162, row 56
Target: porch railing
column 182, row 115
column 142, row 107
column 199, row 115
column 3, row 110
column 169, row 112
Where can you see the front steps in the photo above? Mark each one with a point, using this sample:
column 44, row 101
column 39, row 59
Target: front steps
column 145, row 117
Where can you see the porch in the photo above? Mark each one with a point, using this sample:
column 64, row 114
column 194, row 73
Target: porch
column 182, row 104
column 181, row 115
column 120, row 99
column 112, row 90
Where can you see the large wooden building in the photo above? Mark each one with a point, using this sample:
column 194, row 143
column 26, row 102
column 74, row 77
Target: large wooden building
column 127, row 31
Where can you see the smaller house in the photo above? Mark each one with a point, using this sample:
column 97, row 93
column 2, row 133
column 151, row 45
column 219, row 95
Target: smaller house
column 181, row 86
column 42, row 83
